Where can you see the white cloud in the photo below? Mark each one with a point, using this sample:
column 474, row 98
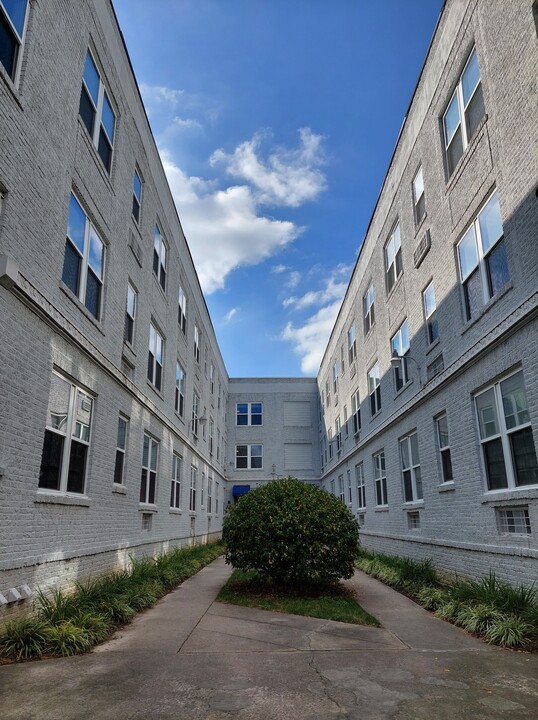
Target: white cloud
column 155, row 95
column 223, row 227
column 294, row 278
column 186, row 123
column 310, row 339
column 279, row 268
column 287, row 177
column 333, row 290
column 230, row 314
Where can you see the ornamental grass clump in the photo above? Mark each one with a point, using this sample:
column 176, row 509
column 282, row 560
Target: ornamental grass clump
column 292, row 534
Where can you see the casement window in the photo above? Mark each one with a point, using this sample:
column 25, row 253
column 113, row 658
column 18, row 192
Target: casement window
column 368, row 309
column 96, row 111
column 349, row 489
column 338, row 436
column 179, row 404
column 217, row 497
column 202, row 490
column 464, row 113
column 399, row 345
column 482, row 258
column 121, row 445
column 341, row 491
column 513, row 521
column 506, row 435
column 441, row 426
column 356, row 410
column 249, row 457
column 160, row 257
column 155, row 357
column 361, row 487
column 249, row 413
column 67, row 438
column 193, row 489
column 336, row 372
column 393, row 258
column 419, row 201
column 130, row 315
column 211, row 435
column 182, row 311
column 374, row 389
column 83, row 259
column 148, row 479
column 380, row 479
column 195, row 413
column 331, row 443
column 352, row 344
column 412, row 479
column 177, row 478
column 13, row 14
column 209, row 494
column 212, row 379
column 137, row 196
column 430, row 314
column 196, row 344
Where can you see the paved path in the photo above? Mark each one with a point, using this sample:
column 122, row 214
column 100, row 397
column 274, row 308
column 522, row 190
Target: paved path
column 190, row 658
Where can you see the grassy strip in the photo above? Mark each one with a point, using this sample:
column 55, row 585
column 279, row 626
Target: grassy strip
column 330, row 602
column 68, row 624
column 500, row 613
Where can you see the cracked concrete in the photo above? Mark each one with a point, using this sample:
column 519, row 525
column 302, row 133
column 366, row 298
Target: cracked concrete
column 190, row 658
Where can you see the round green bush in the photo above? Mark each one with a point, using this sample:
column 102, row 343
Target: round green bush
column 291, row 533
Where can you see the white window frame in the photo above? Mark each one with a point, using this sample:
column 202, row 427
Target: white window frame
column 418, row 196
column 328, row 392
column 349, row 489
column 121, row 450
column 514, row 521
column 179, row 399
column 130, row 314
column 336, row 373
column 400, row 345
column 137, row 198
column 249, row 414
column 361, row 486
column 72, row 431
column 98, row 124
column 430, row 312
column 217, row 493
column 356, row 412
column 155, row 357
column 410, row 468
column 444, row 448
column 211, row 378
column 193, row 489
column 333, row 487
column 338, row 434
column 195, row 413
column 209, row 493
column 182, row 310
column 150, row 467
column 393, row 258
column 160, row 257
column 380, row 479
column 211, row 435
column 176, row 481
column 250, row 456
column 196, row 344
column 374, row 389
column 20, row 39
column 368, row 309
column 341, row 489
column 218, row 444
column 352, row 343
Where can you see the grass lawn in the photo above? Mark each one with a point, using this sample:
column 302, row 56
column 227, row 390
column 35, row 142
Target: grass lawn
column 329, row 602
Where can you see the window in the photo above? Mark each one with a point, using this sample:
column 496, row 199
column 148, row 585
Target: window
column 212, row 379
column 506, row 434
column 514, row 521
column 248, row 457
column 428, row 302
column 209, row 494
column 218, row 444
column 195, row 413
column 249, row 413
column 12, row 26
column 356, row 411
column 137, row 196
column 338, row 432
column 341, row 492
column 67, row 437
column 419, row 201
column 467, row 104
column 217, row 493
column 193, row 488
column 182, row 311
column 96, row 111
column 351, row 344
column 159, row 257
column 148, row 478
column 349, row 489
column 121, row 444
column 482, row 258
column 328, row 392
column 393, row 258
column 130, row 315
column 380, row 479
column 336, row 372
column 179, row 404
column 413, row 520
column 147, row 520
column 177, row 476
column 412, row 480
column 202, row 491
column 196, row 344
column 211, row 435
column 441, row 425
column 374, row 389
column 361, row 487
column 331, row 444
column 83, row 259
column 346, row 424
column 368, row 309
column 155, row 357
column 400, row 347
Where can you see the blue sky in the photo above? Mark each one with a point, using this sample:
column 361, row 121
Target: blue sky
column 276, row 121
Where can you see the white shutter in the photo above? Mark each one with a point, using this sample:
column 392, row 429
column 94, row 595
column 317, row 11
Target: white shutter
column 297, row 413
column 298, row 456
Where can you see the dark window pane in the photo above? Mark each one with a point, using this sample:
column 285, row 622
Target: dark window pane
column 172, row 504
column 156, row 262
column 93, row 294
column 256, row 462
column 104, row 149
column 398, row 263
column 158, row 375
column 151, row 494
column 379, row 499
column 495, row 467
column 372, row 404
column 497, row 268
column 378, row 396
column 408, row 487
column 475, row 112
column 524, row 456
column 71, row 271
column 16, row 10
column 447, row 465
column 77, row 467
column 242, row 462
column 433, row 329
column 256, row 420
column 8, row 47
column 51, row 461
column 474, row 298
column 242, row 419
column 136, row 209
column 86, row 111
column 129, row 327
column 118, row 469
column 454, row 151
column 143, row 483
column 150, row 366
column 420, row 208
column 162, row 278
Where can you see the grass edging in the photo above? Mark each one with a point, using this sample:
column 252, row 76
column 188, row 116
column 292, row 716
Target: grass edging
column 69, row 624
column 500, row 613
column 328, row 602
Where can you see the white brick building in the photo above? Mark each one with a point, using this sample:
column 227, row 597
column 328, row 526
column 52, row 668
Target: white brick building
column 120, row 430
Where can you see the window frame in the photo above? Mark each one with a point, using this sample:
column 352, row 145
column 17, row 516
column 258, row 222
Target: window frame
column 19, row 42
column 249, row 414
column 361, row 486
column 182, row 310
column 341, row 489
column 249, row 457
column 380, row 479
column 418, row 208
column 179, row 397
column 196, row 344
column 121, row 452
column 352, row 343
column 155, row 375
column 504, row 522
column 368, row 309
column 137, row 199
column 394, row 239
column 444, row 450
column 195, row 413
column 160, row 257
column 356, row 412
column 98, row 124
column 411, row 473
column 176, row 481
column 375, row 394
column 335, row 375
column 401, row 344
column 193, row 488
column 430, row 316
column 130, row 315
column 148, row 481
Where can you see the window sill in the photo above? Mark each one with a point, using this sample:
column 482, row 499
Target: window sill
column 432, row 346
column 485, row 308
column 193, row 513
column 175, row 511
column 147, row 508
column 13, row 89
column 413, row 505
column 381, row 508
column 446, row 487
column 83, row 309
column 119, row 489
column 519, row 495
column 130, row 349
column 53, row 499
column 155, row 390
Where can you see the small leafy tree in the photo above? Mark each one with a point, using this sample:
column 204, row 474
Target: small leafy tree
column 291, row 533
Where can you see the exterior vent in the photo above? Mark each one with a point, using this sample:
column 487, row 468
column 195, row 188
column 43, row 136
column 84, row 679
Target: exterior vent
column 422, row 249
column 436, row 367
column 135, row 247
column 353, row 370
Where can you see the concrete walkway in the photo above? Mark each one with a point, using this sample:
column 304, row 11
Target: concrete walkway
column 190, row 658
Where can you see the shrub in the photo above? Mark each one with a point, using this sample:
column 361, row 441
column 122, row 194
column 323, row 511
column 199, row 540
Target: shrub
column 291, row 533
column 24, row 638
